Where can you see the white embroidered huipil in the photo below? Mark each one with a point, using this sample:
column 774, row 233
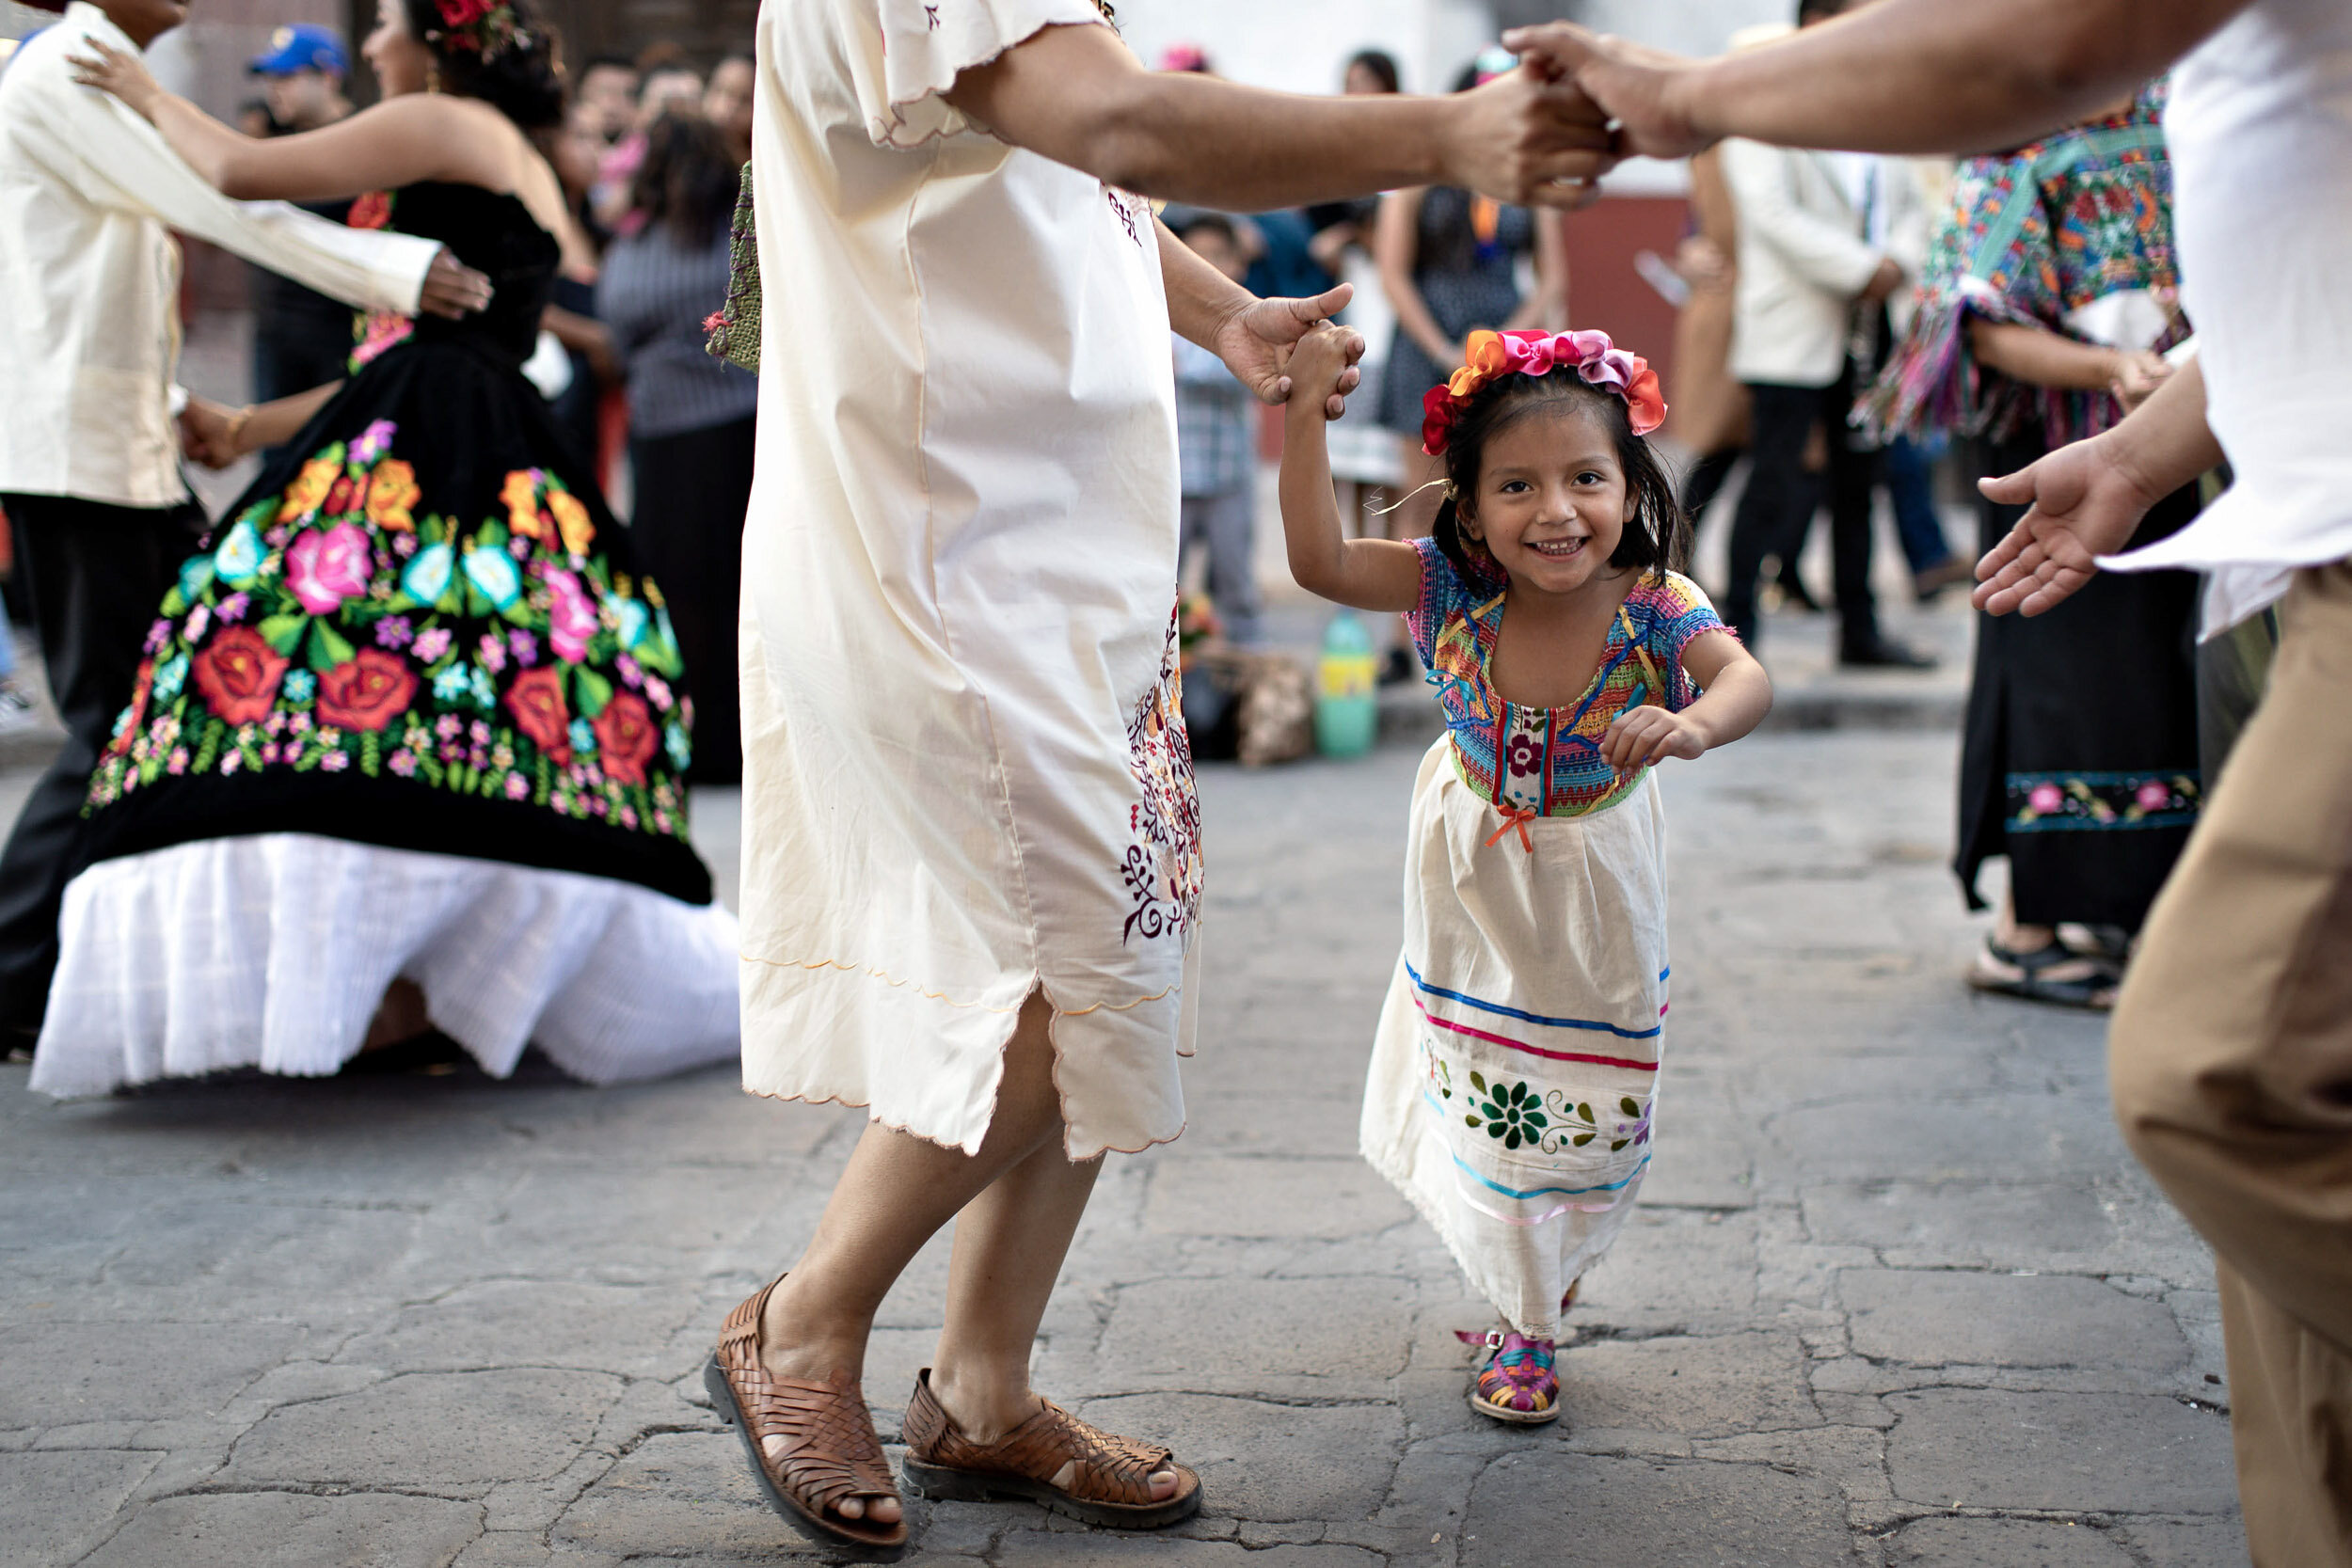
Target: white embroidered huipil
column 964, row 778
column 2260, row 130
column 89, row 319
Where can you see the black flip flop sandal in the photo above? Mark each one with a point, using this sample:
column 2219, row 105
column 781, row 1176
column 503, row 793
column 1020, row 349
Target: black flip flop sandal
column 2094, row 991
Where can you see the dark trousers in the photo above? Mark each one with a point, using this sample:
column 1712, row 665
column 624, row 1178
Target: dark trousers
column 1777, row 507
column 693, row 491
column 1705, row 481
column 94, row 576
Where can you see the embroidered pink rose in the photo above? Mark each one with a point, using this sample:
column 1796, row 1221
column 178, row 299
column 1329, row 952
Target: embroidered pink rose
column 2045, row 798
column 2154, row 796
column 325, row 568
column 571, row 616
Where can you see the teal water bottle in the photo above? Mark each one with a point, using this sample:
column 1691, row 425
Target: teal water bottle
column 1347, row 701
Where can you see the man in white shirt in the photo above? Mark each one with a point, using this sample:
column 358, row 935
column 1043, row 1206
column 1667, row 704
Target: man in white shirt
column 89, row 459
column 2230, row 1053
column 1814, row 261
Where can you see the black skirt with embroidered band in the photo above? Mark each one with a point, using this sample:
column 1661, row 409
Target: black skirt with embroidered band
column 2080, row 759
column 421, row 628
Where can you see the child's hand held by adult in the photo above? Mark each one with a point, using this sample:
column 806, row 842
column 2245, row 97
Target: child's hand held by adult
column 1323, row 366
column 1258, row 342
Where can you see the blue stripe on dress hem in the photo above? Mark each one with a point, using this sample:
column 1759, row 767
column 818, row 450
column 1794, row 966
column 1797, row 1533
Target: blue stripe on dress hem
column 1651, row 1033
column 1542, row 1192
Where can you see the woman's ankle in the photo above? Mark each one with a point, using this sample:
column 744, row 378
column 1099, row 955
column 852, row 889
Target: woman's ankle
column 805, row 1339
column 985, row 1401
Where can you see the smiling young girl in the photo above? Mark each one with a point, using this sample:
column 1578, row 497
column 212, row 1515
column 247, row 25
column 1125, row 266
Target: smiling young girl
column 1516, row 1065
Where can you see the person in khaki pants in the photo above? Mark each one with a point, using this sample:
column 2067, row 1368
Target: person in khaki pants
column 2231, row 1062
column 2230, row 1051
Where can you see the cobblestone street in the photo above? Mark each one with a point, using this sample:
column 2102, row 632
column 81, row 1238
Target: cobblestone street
column 1895, row 1295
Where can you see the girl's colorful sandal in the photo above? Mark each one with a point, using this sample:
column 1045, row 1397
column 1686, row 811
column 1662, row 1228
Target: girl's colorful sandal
column 1518, row 1383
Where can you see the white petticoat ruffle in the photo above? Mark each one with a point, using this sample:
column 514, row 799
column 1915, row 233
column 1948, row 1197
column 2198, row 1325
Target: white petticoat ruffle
column 274, row 951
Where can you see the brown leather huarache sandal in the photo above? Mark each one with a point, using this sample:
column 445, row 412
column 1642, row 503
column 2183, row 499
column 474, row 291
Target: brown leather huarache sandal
column 1110, row 1479
column 831, row 1453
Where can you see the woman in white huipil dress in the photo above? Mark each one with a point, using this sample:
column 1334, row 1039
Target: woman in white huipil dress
column 972, row 861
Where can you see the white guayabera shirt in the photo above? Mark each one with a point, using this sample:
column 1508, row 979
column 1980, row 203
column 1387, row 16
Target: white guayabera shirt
column 964, row 778
column 89, row 320
column 2260, row 130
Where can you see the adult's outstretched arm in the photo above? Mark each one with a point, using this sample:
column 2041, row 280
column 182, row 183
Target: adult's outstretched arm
column 1077, row 95
column 1897, row 76
column 2085, row 499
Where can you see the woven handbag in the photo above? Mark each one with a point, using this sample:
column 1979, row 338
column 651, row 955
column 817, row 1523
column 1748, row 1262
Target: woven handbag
column 733, row 329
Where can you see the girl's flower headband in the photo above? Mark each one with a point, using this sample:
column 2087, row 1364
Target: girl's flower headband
column 1591, row 355
column 483, row 27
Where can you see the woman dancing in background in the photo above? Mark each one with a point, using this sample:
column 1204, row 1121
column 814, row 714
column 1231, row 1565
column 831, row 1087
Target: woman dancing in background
column 412, row 715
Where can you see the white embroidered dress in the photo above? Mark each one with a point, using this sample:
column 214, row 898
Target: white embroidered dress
column 964, row 775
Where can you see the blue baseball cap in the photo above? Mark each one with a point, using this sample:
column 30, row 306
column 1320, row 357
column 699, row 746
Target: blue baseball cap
column 302, row 46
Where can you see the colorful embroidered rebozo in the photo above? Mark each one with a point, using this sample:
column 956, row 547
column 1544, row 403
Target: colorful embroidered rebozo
column 1547, row 762
column 1590, row 354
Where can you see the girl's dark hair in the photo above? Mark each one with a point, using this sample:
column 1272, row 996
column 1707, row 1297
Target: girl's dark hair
column 1656, row 538
column 688, row 180
column 524, row 81
column 1380, row 63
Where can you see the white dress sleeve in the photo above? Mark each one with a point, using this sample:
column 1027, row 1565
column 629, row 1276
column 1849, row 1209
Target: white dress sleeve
column 926, row 43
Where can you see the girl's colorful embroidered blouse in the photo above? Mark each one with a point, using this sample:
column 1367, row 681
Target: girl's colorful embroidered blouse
column 1547, row 762
column 1494, row 355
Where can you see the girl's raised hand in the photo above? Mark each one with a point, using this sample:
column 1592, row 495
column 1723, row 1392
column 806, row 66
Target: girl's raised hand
column 1642, row 736
column 1322, row 358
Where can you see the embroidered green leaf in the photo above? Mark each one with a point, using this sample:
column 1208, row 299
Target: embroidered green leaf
column 1478, row 1081
column 1583, row 1112
column 175, row 602
column 1583, row 1138
column 371, row 754
column 327, row 647
column 1618, row 1145
column 493, row 534
column 590, row 692
column 285, row 632
column 1632, row 1107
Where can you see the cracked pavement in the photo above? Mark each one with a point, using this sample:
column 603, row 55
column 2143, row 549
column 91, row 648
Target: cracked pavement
column 1895, row 1295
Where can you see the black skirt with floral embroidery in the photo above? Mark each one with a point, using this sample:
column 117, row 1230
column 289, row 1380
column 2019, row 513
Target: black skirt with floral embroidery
column 421, row 628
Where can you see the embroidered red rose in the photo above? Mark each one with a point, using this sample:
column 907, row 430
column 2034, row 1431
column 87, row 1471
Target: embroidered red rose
column 626, row 738
column 536, row 701
column 371, row 210
column 238, row 673
column 367, row 692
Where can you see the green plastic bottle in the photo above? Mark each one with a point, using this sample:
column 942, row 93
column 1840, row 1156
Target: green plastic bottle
column 1347, row 700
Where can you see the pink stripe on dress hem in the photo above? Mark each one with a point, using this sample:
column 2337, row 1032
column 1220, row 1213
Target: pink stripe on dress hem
column 1534, row 1050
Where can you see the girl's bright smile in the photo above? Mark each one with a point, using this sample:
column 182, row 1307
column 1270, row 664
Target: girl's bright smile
column 1552, row 501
